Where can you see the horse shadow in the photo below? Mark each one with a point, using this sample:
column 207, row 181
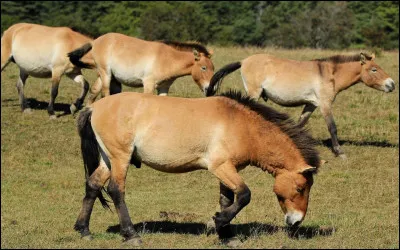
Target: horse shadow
column 380, row 144
column 245, row 230
column 41, row 105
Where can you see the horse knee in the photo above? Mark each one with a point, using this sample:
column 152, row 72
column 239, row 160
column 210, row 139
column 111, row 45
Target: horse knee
column 114, row 192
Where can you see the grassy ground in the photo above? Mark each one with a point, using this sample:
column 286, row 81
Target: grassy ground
column 353, row 203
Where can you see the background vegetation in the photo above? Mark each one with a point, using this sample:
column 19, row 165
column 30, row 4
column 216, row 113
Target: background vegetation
column 287, row 24
column 353, row 203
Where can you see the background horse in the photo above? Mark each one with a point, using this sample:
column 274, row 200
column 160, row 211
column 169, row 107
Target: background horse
column 223, row 135
column 135, row 62
column 311, row 83
column 41, row 51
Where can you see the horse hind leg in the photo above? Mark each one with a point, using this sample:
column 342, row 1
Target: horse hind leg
column 306, row 114
column 20, row 87
column 78, row 78
column 94, row 91
column 93, row 186
column 116, row 189
column 55, row 81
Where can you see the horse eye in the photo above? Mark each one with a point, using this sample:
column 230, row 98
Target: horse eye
column 203, row 68
column 280, row 198
column 300, row 190
column 374, row 70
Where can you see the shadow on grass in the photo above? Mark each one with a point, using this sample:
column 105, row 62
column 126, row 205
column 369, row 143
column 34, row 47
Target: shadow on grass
column 246, row 230
column 380, row 144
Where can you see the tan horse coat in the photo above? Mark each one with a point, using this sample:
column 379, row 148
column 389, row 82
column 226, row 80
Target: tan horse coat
column 41, row 51
column 311, row 83
column 134, row 62
column 220, row 134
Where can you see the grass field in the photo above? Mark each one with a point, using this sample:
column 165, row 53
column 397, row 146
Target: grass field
column 353, row 203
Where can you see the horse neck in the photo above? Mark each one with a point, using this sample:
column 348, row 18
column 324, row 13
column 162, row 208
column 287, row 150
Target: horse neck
column 346, row 75
column 274, row 150
column 179, row 63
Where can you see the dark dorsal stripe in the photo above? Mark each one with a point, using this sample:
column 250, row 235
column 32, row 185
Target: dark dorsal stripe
column 188, row 46
column 299, row 135
column 343, row 59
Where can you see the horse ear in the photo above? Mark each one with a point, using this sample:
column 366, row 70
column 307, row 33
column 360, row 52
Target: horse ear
column 210, row 52
column 363, row 58
column 307, row 169
column 373, row 56
column 196, row 55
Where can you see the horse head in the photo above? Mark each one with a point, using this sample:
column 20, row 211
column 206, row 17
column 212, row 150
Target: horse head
column 203, row 69
column 373, row 75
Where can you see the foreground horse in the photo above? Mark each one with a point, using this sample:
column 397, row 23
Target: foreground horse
column 221, row 134
column 311, row 83
column 41, row 51
column 154, row 65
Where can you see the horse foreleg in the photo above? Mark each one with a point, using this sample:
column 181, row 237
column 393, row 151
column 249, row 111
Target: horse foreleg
column 115, row 87
column 229, row 176
column 116, row 189
column 148, row 86
column 20, row 87
column 226, row 198
column 93, row 187
column 78, row 78
column 163, row 88
column 305, row 115
column 328, row 116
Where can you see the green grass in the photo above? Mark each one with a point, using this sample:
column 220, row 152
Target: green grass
column 353, row 203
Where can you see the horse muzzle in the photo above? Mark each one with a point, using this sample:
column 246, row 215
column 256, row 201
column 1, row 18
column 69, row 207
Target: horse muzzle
column 294, row 218
column 388, row 85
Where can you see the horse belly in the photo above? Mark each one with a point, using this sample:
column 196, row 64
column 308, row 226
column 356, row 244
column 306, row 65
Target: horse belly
column 128, row 78
column 36, row 66
column 290, row 96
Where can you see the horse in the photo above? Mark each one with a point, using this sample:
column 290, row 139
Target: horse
column 221, row 134
column 41, row 51
column 312, row 83
column 135, row 62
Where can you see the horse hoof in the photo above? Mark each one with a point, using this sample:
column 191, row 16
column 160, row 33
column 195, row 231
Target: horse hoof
column 53, row 117
column 232, row 242
column 73, row 108
column 27, row 111
column 87, row 237
column 210, row 227
column 134, row 242
column 343, row 156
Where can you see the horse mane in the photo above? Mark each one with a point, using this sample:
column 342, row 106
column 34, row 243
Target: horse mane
column 188, row 46
column 299, row 134
column 343, row 58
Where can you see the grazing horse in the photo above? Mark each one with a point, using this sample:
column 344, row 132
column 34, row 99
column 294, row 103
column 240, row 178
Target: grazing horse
column 312, row 83
column 134, row 62
column 41, row 51
column 221, row 134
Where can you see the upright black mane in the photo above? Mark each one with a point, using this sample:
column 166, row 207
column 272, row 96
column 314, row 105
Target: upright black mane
column 343, row 58
column 299, row 135
column 188, row 46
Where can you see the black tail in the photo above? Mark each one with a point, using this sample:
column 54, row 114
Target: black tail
column 219, row 75
column 90, row 148
column 76, row 55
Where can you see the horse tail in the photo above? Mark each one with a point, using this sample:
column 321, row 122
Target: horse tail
column 76, row 55
column 219, row 76
column 6, row 42
column 90, row 149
